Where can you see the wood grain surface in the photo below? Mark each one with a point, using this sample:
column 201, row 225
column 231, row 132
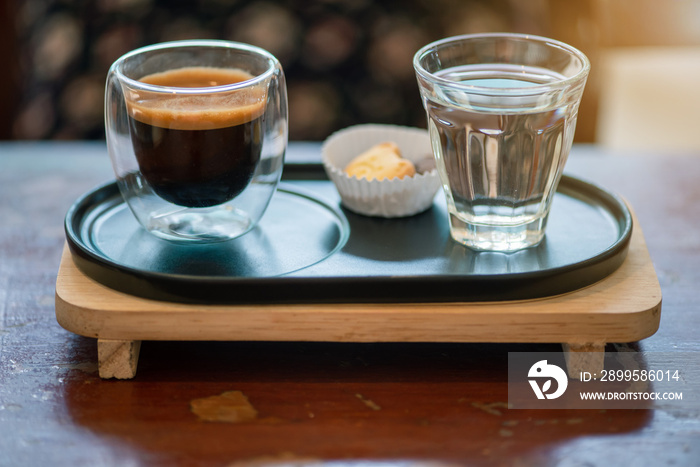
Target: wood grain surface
column 623, row 307
column 316, row 403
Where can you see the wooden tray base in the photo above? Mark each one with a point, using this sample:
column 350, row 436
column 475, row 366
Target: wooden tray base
column 623, row 307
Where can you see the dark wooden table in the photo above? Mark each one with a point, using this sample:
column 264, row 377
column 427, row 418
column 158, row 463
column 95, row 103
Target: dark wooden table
column 342, row 404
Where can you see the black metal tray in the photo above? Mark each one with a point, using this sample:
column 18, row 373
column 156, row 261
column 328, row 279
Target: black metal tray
column 308, row 249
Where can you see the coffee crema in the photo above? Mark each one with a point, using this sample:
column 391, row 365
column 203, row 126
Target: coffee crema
column 197, row 149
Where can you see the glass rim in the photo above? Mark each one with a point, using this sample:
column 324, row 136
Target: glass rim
column 195, row 43
column 534, row 89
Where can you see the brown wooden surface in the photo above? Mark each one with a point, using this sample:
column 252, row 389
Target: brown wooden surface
column 623, row 307
column 295, row 403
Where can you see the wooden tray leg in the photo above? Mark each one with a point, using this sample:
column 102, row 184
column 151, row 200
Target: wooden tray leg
column 117, row 359
column 584, row 357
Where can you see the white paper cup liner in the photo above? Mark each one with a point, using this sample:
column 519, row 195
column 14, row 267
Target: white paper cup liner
column 380, row 198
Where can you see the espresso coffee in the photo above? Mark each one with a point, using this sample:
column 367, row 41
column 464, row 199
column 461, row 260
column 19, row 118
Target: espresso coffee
column 197, row 150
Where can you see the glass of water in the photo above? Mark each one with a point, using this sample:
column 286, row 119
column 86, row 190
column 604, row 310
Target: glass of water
column 502, row 111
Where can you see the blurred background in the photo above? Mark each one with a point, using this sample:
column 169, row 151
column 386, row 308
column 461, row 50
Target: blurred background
column 349, row 61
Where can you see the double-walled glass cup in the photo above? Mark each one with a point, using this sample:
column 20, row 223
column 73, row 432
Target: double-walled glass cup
column 197, row 132
column 502, row 111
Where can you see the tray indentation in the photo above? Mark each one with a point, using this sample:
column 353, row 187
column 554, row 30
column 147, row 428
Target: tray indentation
column 279, row 245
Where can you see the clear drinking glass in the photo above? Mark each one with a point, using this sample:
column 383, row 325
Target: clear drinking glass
column 502, row 111
column 197, row 132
